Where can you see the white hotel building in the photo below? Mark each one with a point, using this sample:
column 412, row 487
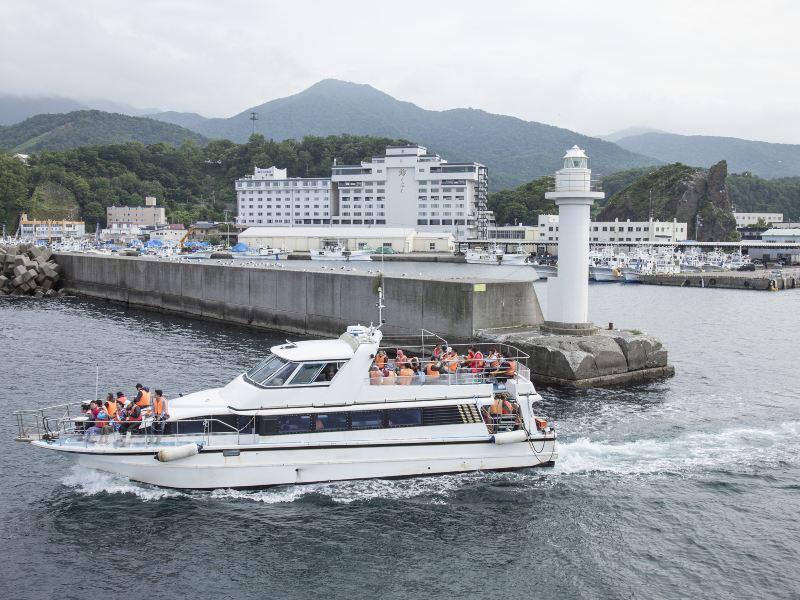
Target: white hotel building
column 269, row 198
column 405, row 187
column 611, row 232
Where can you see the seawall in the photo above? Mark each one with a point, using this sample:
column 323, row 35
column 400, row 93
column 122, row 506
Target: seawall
column 305, row 301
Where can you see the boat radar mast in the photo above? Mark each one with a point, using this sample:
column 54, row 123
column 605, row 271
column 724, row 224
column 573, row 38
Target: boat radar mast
column 380, row 306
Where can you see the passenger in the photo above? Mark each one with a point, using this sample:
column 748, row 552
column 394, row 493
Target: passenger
column 401, row 360
column 119, row 418
column 478, row 364
column 405, row 375
column 492, row 359
column 501, row 406
column 142, row 399
column 110, row 405
column 102, row 421
column 380, row 359
column 414, row 363
column 433, row 371
column 375, row 375
column 437, row 352
column 389, row 377
column 133, row 418
column 159, row 412
column 470, row 359
column 511, row 368
column 121, row 399
column 451, row 360
column 90, row 426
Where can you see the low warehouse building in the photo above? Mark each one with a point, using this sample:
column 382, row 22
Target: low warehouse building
column 303, row 239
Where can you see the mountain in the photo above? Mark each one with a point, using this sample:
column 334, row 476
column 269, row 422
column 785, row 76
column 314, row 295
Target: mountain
column 15, row 109
column 761, row 158
column 679, row 192
column 628, row 132
column 89, row 127
column 515, row 151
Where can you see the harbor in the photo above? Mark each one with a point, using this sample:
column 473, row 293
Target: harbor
column 632, row 459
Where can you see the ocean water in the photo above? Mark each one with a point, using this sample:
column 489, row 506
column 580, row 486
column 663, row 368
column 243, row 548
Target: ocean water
column 683, row 488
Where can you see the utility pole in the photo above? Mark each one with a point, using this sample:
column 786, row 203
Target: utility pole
column 254, row 118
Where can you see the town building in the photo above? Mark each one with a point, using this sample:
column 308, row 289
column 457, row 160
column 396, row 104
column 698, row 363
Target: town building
column 616, row 231
column 50, row 229
column 510, row 234
column 406, row 187
column 303, row 239
column 751, row 219
column 169, row 233
column 269, row 197
column 139, row 216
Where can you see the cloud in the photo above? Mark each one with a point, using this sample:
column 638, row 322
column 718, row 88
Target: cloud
column 724, row 68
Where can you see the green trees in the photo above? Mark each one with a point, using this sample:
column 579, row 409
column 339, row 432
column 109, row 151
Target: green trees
column 524, row 204
column 14, row 196
column 192, row 182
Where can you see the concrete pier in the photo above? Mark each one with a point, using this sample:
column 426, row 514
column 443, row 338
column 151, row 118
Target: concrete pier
column 734, row 280
column 302, row 300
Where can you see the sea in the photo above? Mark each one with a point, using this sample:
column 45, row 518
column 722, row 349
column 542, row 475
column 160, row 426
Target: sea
column 687, row 487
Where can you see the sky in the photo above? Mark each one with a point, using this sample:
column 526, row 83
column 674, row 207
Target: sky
column 709, row 67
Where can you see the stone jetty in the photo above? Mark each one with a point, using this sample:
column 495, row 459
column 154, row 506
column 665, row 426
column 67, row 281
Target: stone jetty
column 29, row 271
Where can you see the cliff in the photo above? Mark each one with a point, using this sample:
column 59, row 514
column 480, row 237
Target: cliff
column 679, row 192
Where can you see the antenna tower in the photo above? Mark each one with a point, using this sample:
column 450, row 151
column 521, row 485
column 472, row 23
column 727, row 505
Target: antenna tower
column 254, row 118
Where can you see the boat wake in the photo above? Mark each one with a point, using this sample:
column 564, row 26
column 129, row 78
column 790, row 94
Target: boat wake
column 434, row 490
column 691, row 452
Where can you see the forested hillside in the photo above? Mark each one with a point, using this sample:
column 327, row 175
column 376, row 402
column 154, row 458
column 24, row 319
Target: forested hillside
column 194, row 182
column 89, row 127
column 514, row 150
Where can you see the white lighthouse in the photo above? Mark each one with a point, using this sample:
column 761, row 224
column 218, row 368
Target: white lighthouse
column 568, row 294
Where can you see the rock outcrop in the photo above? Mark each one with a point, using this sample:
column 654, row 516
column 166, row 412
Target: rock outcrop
column 606, row 358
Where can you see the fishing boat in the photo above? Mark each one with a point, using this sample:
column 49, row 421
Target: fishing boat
column 312, row 411
column 493, row 254
column 336, row 250
column 242, row 251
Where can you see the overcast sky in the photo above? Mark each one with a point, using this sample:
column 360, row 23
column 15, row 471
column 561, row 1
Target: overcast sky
column 705, row 67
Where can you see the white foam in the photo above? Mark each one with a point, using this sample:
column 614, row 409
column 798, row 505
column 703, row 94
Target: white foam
column 89, row 482
column 688, row 452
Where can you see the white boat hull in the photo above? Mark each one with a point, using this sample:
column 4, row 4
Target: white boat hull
column 212, row 468
column 355, row 256
column 604, row 274
column 273, row 256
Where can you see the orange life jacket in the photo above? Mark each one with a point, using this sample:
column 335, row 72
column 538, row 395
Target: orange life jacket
column 111, row 409
column 159, row 406
column 380, row 360
column 144, row 401
column 430, row 372
column 406, row 375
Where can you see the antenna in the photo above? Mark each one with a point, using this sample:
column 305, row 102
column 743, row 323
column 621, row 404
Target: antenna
column 380, row 306
column 254, row 118
column 97, row 382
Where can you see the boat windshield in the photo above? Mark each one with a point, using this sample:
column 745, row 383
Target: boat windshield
column 264, row 373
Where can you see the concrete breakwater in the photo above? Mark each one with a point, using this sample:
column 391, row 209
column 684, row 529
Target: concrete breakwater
column 27, row 270
column 302, row 300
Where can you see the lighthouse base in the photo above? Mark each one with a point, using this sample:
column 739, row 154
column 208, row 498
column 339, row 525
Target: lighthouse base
column 559, row 328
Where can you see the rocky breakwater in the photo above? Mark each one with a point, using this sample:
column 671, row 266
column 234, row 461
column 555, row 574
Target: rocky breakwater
column 29, row 271
column 605, row 358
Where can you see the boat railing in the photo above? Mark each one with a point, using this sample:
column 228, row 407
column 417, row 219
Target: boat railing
column 46, row 421
column 460, row 377
column 66, row 421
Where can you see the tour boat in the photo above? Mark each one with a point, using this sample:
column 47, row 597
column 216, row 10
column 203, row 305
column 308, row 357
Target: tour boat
column 337, row 251
column 311, row 412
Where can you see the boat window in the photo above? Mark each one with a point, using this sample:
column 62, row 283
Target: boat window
column 307, row 373
column 331, row 422
column 294, row 424
column 279, row 378
column 367, row 419
column 405, row 417
column 265, row 369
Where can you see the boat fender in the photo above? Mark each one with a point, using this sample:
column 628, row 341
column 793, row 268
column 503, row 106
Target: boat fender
column 178, row 452
column 510, row 437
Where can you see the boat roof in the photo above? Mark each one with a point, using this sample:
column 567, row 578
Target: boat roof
column 314, row 350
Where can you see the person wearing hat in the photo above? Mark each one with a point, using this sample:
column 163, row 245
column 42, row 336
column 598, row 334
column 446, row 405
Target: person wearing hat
column 121, row 399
